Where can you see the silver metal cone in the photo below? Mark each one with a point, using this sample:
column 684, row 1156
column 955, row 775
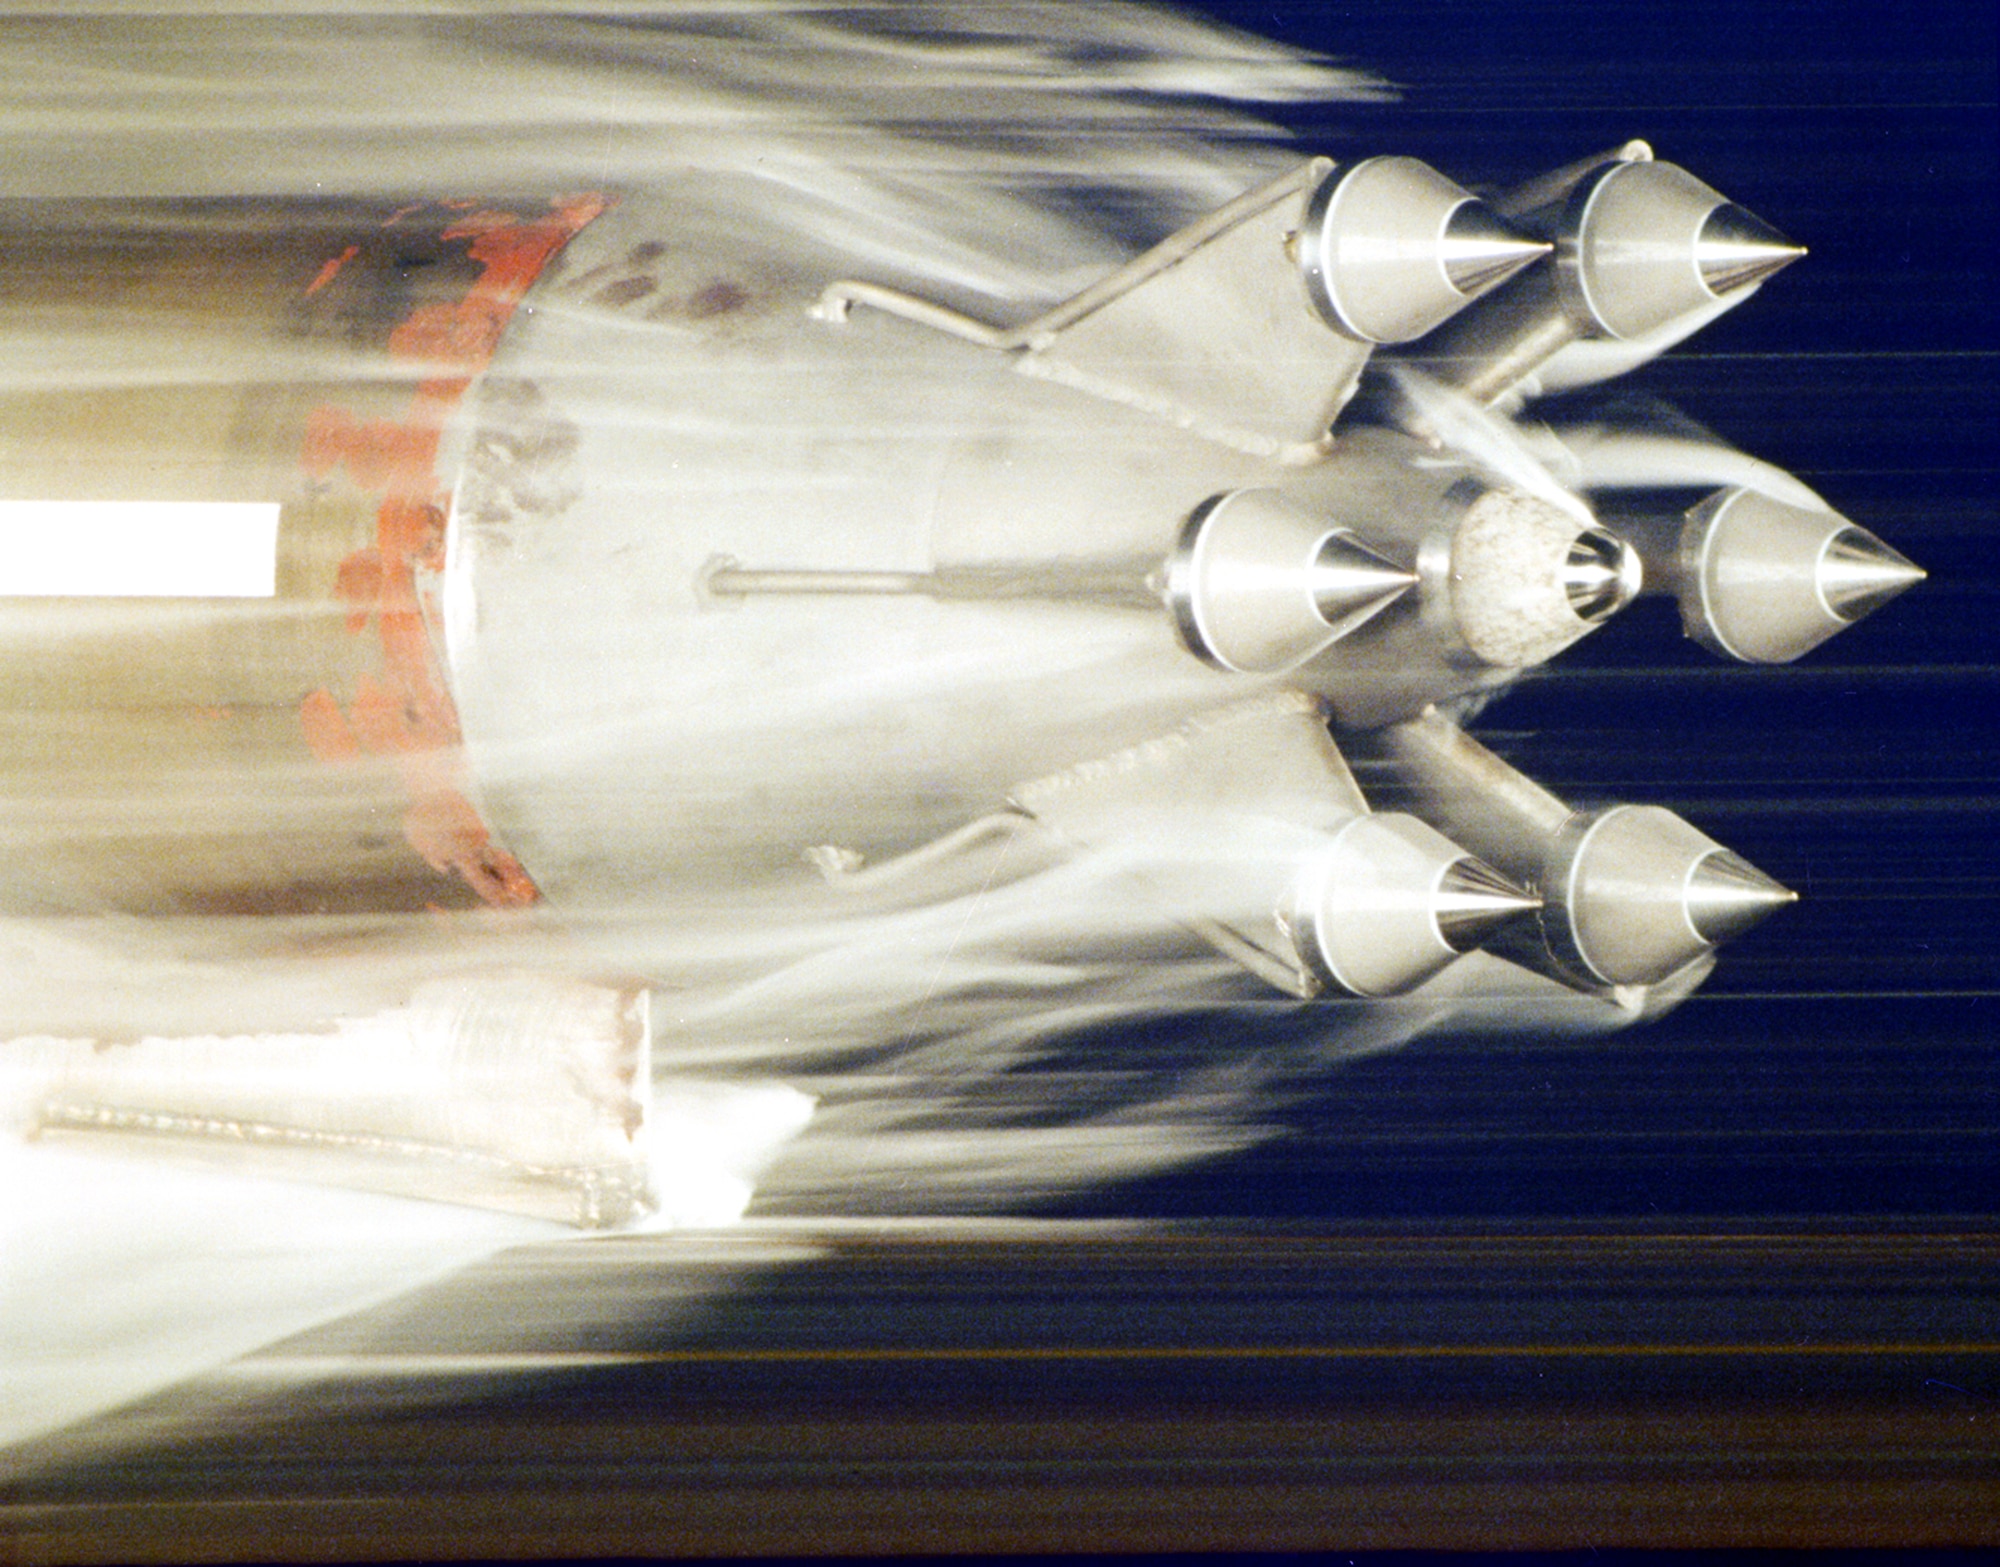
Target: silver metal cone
column 1726, row 895
column 1480, row 252
column 1738, row 248
column 1858, row 574
column 1473, row 900
column 1600, row 575
column 1350, row 582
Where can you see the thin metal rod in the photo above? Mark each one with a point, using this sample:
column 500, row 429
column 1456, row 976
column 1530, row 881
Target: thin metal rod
column 1127, row 584
column 740, row 582
column 843, row 295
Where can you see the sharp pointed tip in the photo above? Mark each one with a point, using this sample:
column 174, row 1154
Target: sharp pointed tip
column 1737, row 248
column 1473, row 900
column 1480, row 252
column 1726, row 895
column 1858, row 574
column 1351, row 583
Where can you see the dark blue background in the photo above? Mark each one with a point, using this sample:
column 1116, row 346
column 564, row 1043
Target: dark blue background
column 1841, row 1061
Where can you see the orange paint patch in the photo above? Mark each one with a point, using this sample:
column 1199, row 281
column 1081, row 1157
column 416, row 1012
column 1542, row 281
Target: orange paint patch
column 406, row 713
column 331, row 270
column 445, row 829
column 326, row 728
column 358, row 583
column 377, row 455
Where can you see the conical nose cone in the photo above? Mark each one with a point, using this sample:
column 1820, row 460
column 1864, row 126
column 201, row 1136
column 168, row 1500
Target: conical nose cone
column 1600, row 575
column 1858, row 574
column 1479, row 252
column 1726, row 895
column 1350, row 582
column 1737, row 248
column 1473, row 900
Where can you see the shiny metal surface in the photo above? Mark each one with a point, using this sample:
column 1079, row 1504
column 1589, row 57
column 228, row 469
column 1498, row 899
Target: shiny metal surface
column 1391, row 249
column 1858, row 574
column 1628, row 901
column 1481, row 252
column 1737, row 248
column 1714, row 1373
column 1727, row 895
column 1600, row 575
column 1259, row 585
column 1473, row 901
column 1491, row 353
column 1453, row 779
column 1645, row 243
column 1390, row 902
column 1631, row 895
column 1350, row 581
column 1766, row 581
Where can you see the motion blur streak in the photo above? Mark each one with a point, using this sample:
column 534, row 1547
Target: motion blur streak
column 980, row 146
column 118, row 1279
column 936, row 1003
column 920, row 125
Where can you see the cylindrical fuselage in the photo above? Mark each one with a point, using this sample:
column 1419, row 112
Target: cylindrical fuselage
column 509, row 445
column 261, row 726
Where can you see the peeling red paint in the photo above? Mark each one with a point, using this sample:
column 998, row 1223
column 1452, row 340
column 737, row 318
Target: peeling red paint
column 326, row 728
column 358, row 584
column 445, row 829
column 376, row 455
column 406, row 713
column 331, row 270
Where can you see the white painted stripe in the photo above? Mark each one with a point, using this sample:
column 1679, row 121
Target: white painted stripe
column 138, row 549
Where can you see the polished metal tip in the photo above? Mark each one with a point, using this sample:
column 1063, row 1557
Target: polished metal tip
column 1473, row 900
column 1737, row 248
column 1858, row 574
column 1600, row 575
column 1726, row 895
column 1480, row 252
column 1350, row 582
